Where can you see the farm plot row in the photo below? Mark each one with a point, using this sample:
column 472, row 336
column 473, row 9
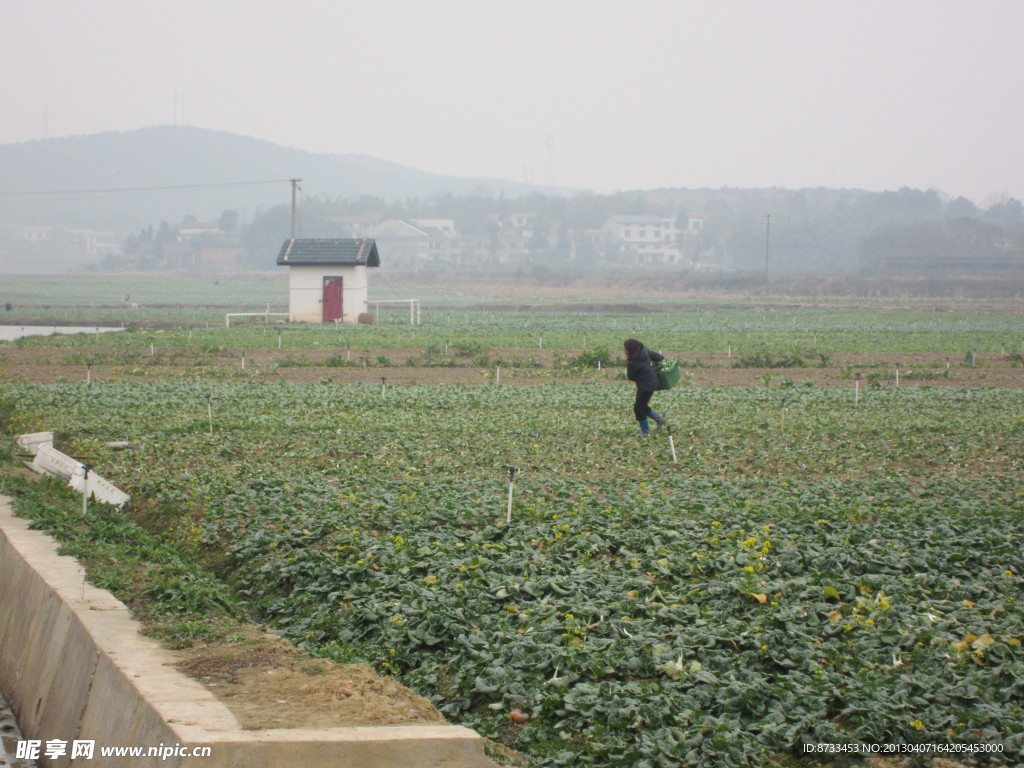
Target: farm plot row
column 851, row 575
column 808, row 332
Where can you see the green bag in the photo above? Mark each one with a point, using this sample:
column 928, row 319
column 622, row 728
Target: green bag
column 668, row 373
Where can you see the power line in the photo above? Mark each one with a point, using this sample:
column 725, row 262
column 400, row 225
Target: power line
column 133, row 190
column 380, row 277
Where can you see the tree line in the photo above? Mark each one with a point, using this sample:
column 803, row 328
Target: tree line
column 903, row 234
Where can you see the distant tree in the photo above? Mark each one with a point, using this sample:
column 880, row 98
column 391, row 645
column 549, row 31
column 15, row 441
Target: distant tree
column 563, row 248
column 166, row 233
column 131, row 243
column 976, row 240
column 961, row 208
column 538, row 244
column 472, row 214
column 493, row 238
column 898, row 250
column 263, row 236
column 909, row 204
column 586, row 251
column 228, row 222
column 1009, row 214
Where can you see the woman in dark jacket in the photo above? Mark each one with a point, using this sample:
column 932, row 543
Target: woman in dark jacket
column 640, row 371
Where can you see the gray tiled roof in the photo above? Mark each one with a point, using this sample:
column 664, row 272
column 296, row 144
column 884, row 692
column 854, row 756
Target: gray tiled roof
column 640, row 219
column 342, row 252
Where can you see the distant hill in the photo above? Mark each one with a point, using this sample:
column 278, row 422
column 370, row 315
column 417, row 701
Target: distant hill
column 107, row 180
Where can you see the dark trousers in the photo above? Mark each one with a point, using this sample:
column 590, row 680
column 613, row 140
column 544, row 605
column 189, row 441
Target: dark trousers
column 641, row 406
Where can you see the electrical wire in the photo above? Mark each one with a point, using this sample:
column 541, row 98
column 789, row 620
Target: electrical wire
column 379, row 277
column 136, row 190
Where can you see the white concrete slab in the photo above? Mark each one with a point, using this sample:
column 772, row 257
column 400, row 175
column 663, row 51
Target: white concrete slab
column 49, row 460
column 30, row 443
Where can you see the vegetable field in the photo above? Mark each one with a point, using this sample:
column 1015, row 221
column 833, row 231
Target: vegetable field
column 853, row 575
column 827, row 556
column 706, row 330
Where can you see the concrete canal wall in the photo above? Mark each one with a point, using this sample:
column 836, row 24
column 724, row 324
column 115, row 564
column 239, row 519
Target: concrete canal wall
column 74, row 667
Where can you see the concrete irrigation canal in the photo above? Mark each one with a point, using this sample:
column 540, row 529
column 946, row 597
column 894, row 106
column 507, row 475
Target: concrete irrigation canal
column 10, row 735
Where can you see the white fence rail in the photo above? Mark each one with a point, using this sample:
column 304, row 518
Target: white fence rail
column 265, row 315
column 414, row 308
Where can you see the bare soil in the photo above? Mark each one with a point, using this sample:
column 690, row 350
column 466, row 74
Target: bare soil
column 268, row 683
column 43, row 364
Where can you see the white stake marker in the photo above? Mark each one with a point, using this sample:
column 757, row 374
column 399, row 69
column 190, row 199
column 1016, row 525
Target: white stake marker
column 511, row 484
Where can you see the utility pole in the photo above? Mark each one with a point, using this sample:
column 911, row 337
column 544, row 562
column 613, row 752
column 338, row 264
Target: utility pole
column 767, row 233
column 295, row 190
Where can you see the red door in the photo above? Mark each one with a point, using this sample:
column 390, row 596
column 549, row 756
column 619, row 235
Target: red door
column 332, row 299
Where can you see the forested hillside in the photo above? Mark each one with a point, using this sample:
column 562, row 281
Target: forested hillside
column 124, row 200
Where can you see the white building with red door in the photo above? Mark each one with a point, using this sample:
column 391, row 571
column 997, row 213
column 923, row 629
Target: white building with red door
column 327, row 279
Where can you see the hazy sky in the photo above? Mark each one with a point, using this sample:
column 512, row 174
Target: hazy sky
column 873, row 94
